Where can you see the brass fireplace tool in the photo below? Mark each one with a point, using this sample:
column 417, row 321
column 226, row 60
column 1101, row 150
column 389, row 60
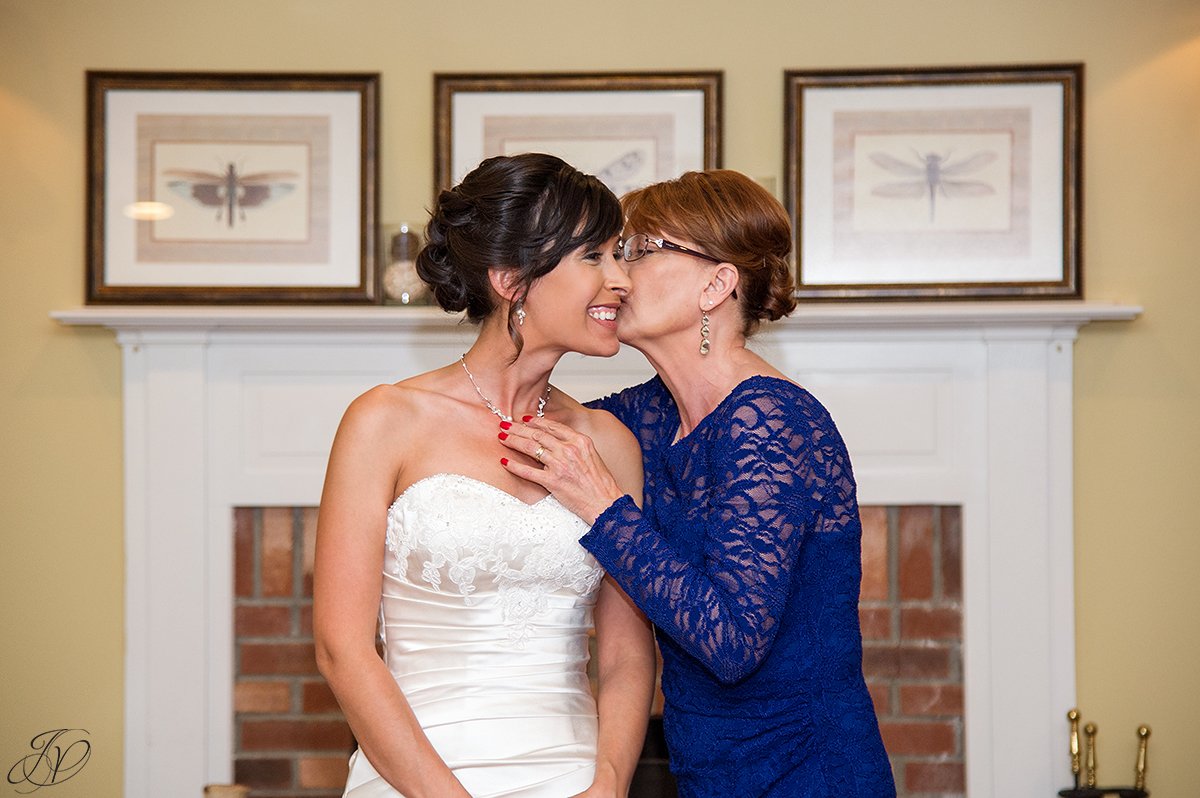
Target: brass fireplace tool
column 1084, row 768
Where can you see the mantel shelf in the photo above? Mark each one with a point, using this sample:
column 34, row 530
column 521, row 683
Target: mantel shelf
column 819, row 316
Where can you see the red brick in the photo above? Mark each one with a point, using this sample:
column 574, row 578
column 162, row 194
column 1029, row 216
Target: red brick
column 262, row 621
column 905, row 662
column 306, row 620
column 918, row 623
column 935, row 777
column 951, row 552
column 308, row 522
column 931, row 699
column 916, row 552
column 263, row 773
column 277, row 536
column 323, row 771
column 876, row 622
column 291, row 735
column 243, row 551
column 881, row 697
column 269, row 696
column 316, row 697
column 874, row 553
column 918, row 739
column 258, row 659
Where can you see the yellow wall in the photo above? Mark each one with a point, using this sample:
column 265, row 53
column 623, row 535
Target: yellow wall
column 1138, row 438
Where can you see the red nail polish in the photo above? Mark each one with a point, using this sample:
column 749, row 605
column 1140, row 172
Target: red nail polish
column 505, row 424
column 503, row 435
column 527, row 419
column 503, row 461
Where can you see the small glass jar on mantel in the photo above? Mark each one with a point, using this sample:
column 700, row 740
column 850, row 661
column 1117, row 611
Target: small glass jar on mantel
column 401, row 285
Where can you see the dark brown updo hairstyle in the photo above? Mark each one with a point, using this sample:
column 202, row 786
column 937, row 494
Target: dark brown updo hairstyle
column 518, row 212
column 731, row 217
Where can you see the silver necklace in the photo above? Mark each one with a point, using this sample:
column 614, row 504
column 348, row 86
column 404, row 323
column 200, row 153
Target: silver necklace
column 541, row 408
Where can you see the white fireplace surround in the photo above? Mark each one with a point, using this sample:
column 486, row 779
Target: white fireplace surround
column 965, row 404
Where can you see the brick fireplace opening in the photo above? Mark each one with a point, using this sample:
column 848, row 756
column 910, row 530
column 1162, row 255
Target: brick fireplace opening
column 910, row 608
column 291, row 741
column 290, row 737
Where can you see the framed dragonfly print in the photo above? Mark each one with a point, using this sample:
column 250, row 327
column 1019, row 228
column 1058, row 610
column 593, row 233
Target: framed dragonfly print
column 628, row 129
column 949, row 183
column 220, row 187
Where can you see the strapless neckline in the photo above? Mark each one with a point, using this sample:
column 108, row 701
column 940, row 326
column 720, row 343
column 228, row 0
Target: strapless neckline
column 476, row 540
column 502, row 493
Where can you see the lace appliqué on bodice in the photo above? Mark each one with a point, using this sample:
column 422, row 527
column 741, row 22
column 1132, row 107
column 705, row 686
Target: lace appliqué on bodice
column 453, row 529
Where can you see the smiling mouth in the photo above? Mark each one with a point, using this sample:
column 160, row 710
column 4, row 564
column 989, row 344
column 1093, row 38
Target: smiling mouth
column 603, row 313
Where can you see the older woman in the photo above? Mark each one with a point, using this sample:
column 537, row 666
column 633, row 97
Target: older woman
column 746, row 554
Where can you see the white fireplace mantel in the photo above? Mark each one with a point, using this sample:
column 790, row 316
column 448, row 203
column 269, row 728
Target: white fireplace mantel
column 867, row 316
column 956, row 403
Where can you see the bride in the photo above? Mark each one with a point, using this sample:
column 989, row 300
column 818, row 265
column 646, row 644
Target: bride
column 471, row 579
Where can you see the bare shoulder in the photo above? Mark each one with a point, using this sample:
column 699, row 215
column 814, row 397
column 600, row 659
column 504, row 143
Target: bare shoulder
column 605, row 430
column 391, row 416
column 615, row 444
column 379, row 407
column 616, row 435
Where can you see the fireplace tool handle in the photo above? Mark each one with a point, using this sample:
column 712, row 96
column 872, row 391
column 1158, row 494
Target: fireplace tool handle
column 1090, row 790
column 1139, row 771
column 1073, row 717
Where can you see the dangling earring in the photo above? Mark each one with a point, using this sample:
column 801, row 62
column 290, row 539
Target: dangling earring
column 520, row 313
column 704, row 343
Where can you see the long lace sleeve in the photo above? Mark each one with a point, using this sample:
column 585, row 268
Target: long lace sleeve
column 762, row 496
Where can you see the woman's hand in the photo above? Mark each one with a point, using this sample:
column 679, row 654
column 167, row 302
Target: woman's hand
column 562, row 461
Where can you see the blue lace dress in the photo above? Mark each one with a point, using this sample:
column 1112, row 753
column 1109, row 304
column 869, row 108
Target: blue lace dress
column 746, row 557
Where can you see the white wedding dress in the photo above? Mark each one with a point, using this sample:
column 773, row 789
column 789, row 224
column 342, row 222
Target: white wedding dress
column 487, row 602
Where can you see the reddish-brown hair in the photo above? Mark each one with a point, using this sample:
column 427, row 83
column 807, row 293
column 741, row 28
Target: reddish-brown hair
column 731, row 217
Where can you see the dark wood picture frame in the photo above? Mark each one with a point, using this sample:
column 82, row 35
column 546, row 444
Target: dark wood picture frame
column 567, row 110
column 936, row 183
column 216, row 187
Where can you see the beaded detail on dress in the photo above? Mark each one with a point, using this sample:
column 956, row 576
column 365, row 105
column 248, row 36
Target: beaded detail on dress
column 441, row 533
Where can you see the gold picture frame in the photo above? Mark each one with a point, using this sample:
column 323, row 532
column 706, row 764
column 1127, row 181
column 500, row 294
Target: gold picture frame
column 939, row 183
column 629, row 129
column 232, row 187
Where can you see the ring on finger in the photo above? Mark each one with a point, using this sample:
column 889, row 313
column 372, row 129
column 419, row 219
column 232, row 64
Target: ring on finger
column 541, row 450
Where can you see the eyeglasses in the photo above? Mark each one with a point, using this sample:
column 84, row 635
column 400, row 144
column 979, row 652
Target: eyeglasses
column 636, row 246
